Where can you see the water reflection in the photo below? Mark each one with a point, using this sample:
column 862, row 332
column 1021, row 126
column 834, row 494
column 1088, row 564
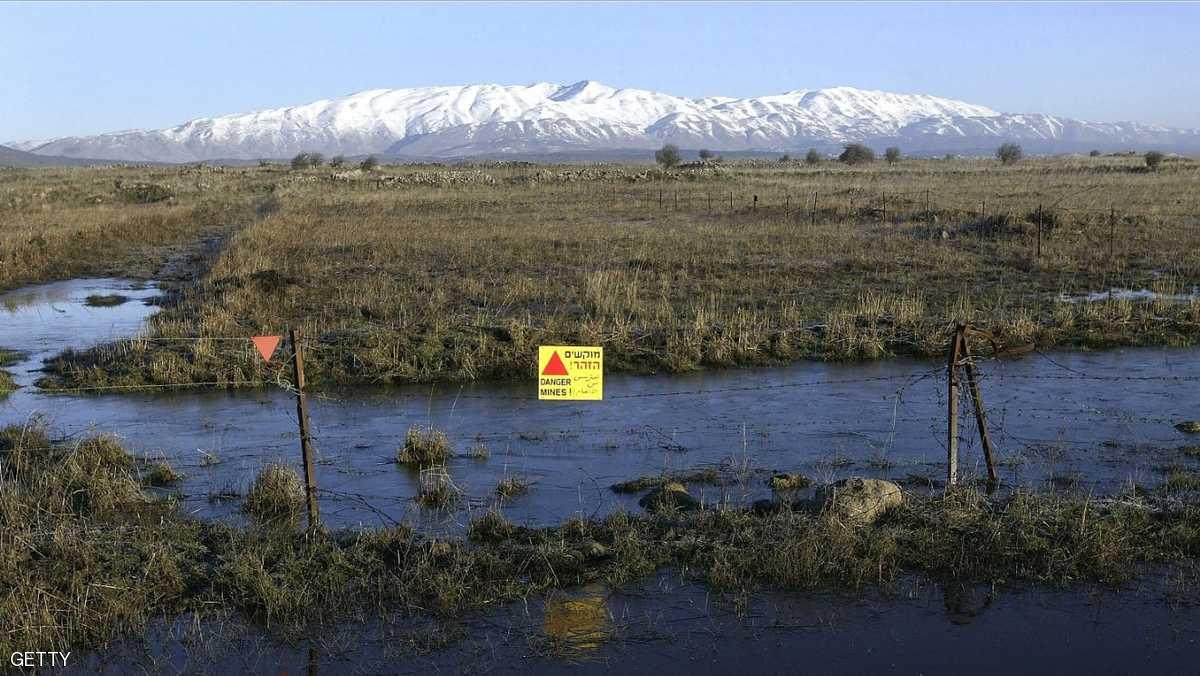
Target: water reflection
column 577, row 624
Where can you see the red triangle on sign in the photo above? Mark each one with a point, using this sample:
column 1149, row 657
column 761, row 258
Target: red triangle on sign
column 266, row 345
column 555, row 367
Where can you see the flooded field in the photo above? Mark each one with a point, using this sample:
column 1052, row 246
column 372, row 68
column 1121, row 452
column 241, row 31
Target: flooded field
column 1077, row 421
column 666, row 626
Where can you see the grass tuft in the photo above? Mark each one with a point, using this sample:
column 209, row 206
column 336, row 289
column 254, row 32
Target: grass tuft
column 109, row 300
column 277, row 493
column 424, row 447
column 511, row 487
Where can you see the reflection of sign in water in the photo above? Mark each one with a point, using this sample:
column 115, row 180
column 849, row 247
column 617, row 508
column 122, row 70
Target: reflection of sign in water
column 577, row 624
column 570, row 372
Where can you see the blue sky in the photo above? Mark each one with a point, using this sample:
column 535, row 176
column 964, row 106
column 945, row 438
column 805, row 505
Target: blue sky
column 87, row 68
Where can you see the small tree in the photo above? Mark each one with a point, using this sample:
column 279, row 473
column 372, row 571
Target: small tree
column 1153, row 159
column 892, row 155
column 785, row 158
column 316, row 159
column 301, row 161
column 369, row 164
column 667, row 156
column 1094, row 153
column 857, row 153
column 1009, row 152
column 813, row 157
column 706, row 154
column 337, row 161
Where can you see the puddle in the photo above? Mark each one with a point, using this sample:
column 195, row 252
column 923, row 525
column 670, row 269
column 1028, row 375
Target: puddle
column 41, row 321
column 1090, row 421
column 1133, row 295
column 665, row 626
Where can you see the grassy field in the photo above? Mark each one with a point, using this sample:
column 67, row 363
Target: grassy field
column 86, row 554
column 431, row 273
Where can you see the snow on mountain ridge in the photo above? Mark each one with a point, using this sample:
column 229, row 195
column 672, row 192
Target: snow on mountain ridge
column 587, row 115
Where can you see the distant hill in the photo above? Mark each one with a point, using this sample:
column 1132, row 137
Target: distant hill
column 11, row 157
column 592, row 119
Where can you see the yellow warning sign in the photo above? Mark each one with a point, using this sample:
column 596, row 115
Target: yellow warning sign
column 570, row 372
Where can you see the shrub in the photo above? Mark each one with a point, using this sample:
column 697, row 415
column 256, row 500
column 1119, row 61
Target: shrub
column 144, row 192
column 1094, row 153
column 892, row 155
column 1153, row 159
column 706, row 154
column 785, row 158
column 667, row 156
column 369, row 164
column 857, row 153
column 813, row 157
column 1009, row 153
column 337, row 161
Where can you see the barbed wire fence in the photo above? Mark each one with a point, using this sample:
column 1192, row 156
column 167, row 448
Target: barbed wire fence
column 1008, row 412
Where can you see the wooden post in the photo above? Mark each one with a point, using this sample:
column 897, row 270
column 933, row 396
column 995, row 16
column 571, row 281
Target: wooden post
column 787, row 206
column 660, row 198
column 883, row 209
column 310, row 479
column 980, row 414
column 709, row 196
column 814, row 208
column 676, row 200
column 730, row 200
column 952, row 412
column 754, row 205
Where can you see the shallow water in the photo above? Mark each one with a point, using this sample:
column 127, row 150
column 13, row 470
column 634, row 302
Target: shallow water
column 1092, row 421
column 666, row 626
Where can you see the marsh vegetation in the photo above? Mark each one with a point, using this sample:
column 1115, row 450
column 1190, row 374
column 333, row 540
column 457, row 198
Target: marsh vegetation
column 87, row 554
column 425, row 273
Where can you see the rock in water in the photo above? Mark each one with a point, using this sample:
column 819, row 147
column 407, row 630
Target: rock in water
column 671, row 495
column 1189, row 427
column 859, row 502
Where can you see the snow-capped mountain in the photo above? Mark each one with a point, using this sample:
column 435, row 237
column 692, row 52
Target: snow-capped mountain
column 462, row 121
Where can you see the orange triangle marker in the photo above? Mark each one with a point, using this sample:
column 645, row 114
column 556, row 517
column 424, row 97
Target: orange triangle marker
column 266, row 345
column 555, row 367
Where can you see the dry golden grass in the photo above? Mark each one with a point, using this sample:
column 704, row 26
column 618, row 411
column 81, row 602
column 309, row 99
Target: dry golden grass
column 420, row 274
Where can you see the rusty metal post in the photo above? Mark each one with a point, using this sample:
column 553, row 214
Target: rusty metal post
column 980, row 414
column 952, row 411
column 310, row 479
